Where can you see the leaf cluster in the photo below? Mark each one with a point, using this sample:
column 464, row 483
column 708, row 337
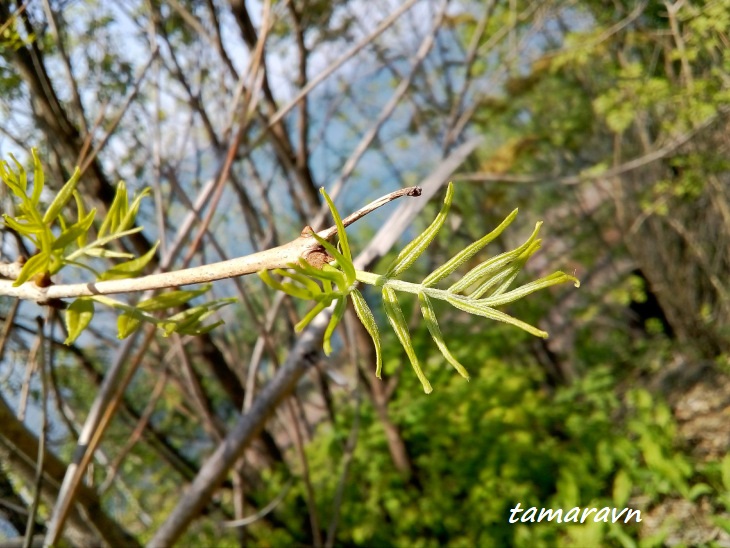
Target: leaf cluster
column 478, row 292
column 61, row 241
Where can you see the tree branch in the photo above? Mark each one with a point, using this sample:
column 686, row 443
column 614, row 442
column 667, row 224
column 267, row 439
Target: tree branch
column 277, row 257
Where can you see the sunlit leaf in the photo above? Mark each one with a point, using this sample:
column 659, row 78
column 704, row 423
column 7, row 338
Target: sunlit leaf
column 200, row 329
column 24, row 228
column 326, row 273
column 21, row 179
column 493, row 265
column 342, row 235
column 171, row 299
column 192, row 318
column 102, row 253
column 464, row 255
column 116, row 211
column 91, row 249
column 130, row 212
column 502, row 280
column 81, row 214
column 301, row 279
column 467, row 305
column 131, row 268
column 522, row 291
column 37, row 264
column 38, row 178
column 433, row 327
column 77, row 317
column 418, row 245
column 289, row 288
column 368, row 320
column 75, row 232
column 10, row 179
column 62, row 198
column 304, row 322
column 398, row 322
column 126, row 325
column 337, row 314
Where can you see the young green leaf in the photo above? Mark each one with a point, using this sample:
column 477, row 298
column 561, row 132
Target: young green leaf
column 37, row 264
column 504, row 278
column 21, row 178
column 126, row 325
column 189, row 321
column 81, row 214
column 327, row 272
column 38, row 178
column 301, row 279
column 171, row 299
column 28, row 229
column 102, row 253
column 433, row 327
column 337, row 314
column 131, row 268
column 493, row 265
column 304, row 322
column 63, row 196
column 294, row 290
column 516, row 294
column 92, row 249
column 200, row 329
column 418, row 245
column 130, row 212
column 10, row 178
column 74, row 232
column 473, row 307
column 77, row 317
column 341, row 234
column 464, row 255
column 116, row 211
column 398, row 322
column 368, row 320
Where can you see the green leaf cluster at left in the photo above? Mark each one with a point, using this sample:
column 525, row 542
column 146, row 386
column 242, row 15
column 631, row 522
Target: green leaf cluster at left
column 62, row 241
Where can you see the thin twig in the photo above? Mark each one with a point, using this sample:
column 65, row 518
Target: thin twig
column 38, row 354
column 243, row 522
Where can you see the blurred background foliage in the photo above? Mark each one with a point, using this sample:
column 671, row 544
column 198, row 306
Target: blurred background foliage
column 607, row 120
